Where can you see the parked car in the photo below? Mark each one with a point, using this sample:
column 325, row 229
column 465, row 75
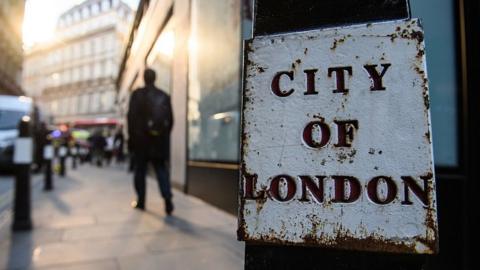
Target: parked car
column 12, row 109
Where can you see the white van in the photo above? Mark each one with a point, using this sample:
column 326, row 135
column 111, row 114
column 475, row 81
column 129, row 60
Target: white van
column 12, row 109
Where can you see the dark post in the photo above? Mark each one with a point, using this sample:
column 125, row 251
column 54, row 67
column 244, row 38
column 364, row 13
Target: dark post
column 74, row 154
column 62, row 151
column 273, row 17
column 81, row 154
column 22, row 158
column 48, row 156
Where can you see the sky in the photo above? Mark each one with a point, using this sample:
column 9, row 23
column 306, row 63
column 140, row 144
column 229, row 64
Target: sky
column 41, row 17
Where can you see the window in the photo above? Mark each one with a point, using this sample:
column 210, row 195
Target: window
column 54, row 107
column 439, row 25
column 68, row 76
column 85, row 12
column 68, row 19
column 92, row 46
column 95, row 9
column 84, row 103
column 87, row 48
column 108, row 99
column 214, row 82
column 108, row 68
column 74, row 105
column 86, row 72
column 98, row 45
column 95, row 102
column 98, row 70
column 105, row 5
column 76, row 16
column 80, row 73
column 75, row 75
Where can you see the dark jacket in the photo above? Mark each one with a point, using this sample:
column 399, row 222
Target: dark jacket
column 97, row 142
column 142, row 143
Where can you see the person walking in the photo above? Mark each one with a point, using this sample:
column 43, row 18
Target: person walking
column 119, row 145
column 109, row 148
column 97, row 147
column 150, row 122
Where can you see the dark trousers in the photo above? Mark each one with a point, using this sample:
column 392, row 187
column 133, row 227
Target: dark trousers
column 161, row 171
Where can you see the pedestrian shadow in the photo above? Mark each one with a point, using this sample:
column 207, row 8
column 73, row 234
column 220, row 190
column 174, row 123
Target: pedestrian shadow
column 21, row 253
column 191, row 229
column 62, row 185
column 177, row 222
column 59, row 204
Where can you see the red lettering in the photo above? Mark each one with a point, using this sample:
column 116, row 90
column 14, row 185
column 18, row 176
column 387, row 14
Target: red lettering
column 340, row 191
column 308, row 132
column 410, row 184
column 249, row 193
column 274, row 190
column 345, row 132
column 376, row 78
column 309, row 184
column 310, row 81
column 340, row 76
column 372, row 190
column 276, row 84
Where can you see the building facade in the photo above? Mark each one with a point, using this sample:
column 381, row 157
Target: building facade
column 196, row 47
column 72, row 77
column 11, row 52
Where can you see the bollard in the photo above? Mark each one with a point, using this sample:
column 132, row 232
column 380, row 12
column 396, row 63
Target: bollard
column 48, row 156
column 22, row 159
column 62, row 152
column 74, row 154
column 80, row 154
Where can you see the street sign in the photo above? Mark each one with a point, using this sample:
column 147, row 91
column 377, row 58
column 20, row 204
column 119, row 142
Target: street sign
column 48, row 152
column 23, row 148
column 336, row 140
column 63, row 151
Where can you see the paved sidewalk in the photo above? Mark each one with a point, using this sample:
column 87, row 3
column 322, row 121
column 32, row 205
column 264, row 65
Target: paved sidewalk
column 87, row 223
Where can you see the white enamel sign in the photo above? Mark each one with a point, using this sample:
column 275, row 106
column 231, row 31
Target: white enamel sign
column 62, row 151
column 48, row 152
column 336, row 140
column 23, row 151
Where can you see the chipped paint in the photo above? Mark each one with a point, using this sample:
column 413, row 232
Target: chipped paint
column 391, row 142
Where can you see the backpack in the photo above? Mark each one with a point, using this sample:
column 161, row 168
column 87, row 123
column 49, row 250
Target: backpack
column 157, row 113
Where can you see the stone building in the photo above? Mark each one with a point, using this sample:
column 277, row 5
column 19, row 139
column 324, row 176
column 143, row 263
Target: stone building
column 72, row 77
column 11, row 53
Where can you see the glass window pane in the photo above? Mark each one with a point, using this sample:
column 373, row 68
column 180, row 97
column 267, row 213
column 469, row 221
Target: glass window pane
column 440, row 37
column 214, row 80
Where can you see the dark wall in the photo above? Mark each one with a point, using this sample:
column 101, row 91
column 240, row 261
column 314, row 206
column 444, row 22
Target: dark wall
column 214, row 185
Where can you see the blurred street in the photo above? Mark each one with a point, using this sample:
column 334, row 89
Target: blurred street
column 86, row 222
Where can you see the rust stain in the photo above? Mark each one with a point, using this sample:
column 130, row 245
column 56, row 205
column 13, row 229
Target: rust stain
column 430, row 218
column 345, row 240
column 319, row 117
column 336, row 42
column 420, row 53
column 427, row 136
